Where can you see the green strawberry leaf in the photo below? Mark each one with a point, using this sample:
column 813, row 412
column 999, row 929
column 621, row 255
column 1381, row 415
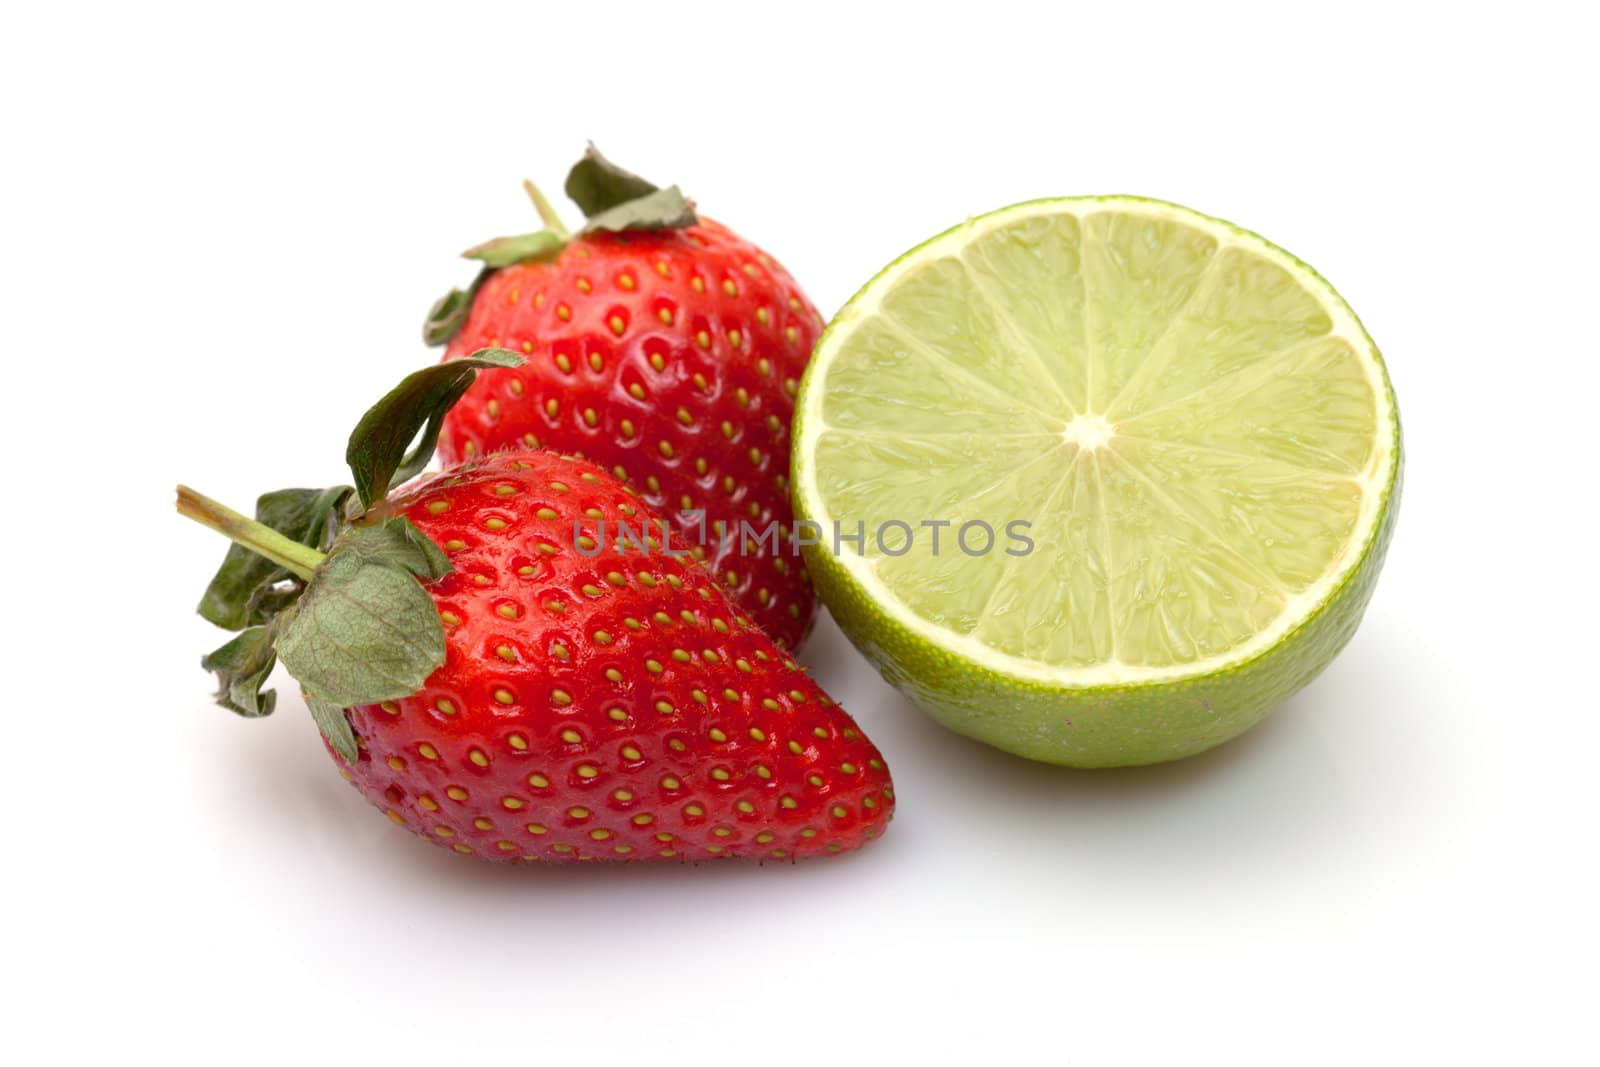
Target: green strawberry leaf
column 596, row 184
column 242, row 667
column 664, row 209
column 366, row 630
column 397, row 542
column 614, row 199
column 504, row 251
column 449, row 313
column 239, row 594
column 269, row 600
column 331, row 720
column 377, row 452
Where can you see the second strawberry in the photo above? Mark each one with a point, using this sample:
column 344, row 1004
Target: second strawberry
column 669, row 354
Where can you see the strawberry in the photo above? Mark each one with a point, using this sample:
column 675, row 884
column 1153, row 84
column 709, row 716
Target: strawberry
column 661, row 346
column 503, row 674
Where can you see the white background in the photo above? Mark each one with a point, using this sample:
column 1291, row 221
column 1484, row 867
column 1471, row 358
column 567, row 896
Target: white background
column 222, row 226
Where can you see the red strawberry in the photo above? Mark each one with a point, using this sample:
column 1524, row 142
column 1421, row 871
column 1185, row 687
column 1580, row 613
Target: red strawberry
column 584, row 701
column 613, row 705
column 669, row 354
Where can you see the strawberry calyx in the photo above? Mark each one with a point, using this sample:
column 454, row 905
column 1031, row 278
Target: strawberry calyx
column 613, row 200
column 323, row 580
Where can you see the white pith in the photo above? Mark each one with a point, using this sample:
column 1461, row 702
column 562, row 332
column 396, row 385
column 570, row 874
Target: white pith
column 1087, row 432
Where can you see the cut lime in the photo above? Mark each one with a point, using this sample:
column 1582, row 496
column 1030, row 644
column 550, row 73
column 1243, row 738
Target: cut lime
column 1099, row 481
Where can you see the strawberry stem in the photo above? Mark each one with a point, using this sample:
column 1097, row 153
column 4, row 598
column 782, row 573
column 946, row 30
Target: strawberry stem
column 547, row 214
column 258, row 537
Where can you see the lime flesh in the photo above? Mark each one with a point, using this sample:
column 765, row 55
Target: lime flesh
column 1125, row 475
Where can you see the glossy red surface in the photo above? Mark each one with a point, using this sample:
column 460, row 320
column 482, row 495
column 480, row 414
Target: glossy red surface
column 671, row 359
column 613, row 706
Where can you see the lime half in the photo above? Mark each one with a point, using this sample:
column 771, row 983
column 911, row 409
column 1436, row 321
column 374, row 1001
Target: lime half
column 1098, row 481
